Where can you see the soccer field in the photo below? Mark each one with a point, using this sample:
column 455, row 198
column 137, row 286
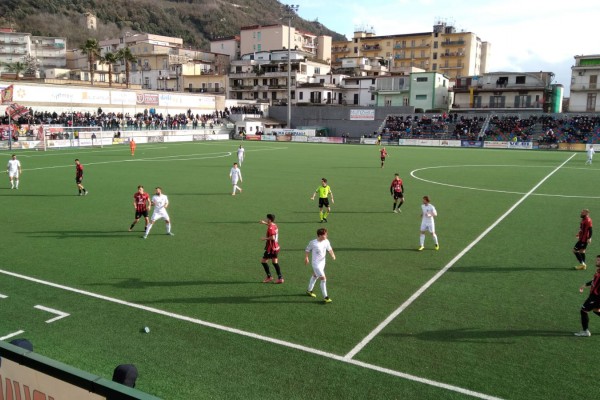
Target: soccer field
column 489, row 315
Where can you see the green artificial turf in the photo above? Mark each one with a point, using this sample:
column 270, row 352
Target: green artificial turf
column 498, row 322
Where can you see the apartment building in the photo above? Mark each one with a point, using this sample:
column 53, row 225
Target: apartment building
column 444, row 50
column 263, row 76
column 227, row 45
column 585, row 88
column 259, row 38
column 50, row 52
column 504, row 90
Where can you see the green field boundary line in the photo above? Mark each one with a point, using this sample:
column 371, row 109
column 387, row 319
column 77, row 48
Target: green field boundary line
column 240, row 332
column 361, row 345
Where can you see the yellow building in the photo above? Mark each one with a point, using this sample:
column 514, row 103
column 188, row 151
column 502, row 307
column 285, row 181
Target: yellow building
column 443, row 50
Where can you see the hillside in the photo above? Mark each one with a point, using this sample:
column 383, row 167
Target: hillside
column 196, row 21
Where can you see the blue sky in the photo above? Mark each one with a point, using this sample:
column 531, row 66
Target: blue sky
column 526, row 35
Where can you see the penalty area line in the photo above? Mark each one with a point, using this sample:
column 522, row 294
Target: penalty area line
column 441, row 272
column 252, row 335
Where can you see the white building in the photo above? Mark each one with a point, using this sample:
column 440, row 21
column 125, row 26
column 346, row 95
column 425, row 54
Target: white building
column 584, row 84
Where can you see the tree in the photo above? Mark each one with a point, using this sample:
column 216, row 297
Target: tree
column 126, row 56
column 91, row 49
column 109, row 59
column 32, row 65
column 16, row 68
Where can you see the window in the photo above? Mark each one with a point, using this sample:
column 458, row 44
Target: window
column 422, row 79
column 497, row 101
column 593, row 81
column 520, row 80
column 301, row 95
column 412, row 43
column 435, row 44
column 372, row 97
column 259, row 47
column 317, row 70
column 421, row 97
column 522, row 101
column 258, row 35
column 355, row 98
column 435, row 56
column 591, row 102
column 434, row 67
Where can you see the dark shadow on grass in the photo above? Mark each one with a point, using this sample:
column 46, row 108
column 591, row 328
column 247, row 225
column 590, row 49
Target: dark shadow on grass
column 505, row 269
column 344, row 212
column 17, row 193
column 201, row 194
column 467, row 335
column 80, row 234
column 272, row 298
column 351, row 249
column 136, row 283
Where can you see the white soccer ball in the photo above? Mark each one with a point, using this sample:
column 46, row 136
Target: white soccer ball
column 146, row 329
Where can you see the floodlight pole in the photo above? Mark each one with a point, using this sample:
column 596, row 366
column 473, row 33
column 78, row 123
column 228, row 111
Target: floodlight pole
column 290, row 11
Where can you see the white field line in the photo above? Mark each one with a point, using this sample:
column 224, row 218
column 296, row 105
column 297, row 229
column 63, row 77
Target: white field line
column 60, row 314
column 200, row 156
column 11, row 335
column 412, row 173
column 3, row 296
column 253, row 336
column 441, row 272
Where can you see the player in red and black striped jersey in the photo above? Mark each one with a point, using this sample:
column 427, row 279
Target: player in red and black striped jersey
column 397, row 191
column 592, row 303
column 271, row 249
column 383, row 153
column 142, row 204
column 584, row 237
column 79, row 178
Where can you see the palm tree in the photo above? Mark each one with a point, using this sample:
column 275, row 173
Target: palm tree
column 91, row 49
column 125, row 55
column 109, row 59
column 16, row 67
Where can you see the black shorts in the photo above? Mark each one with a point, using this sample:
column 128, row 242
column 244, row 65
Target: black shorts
column 580, row 246
column 382, row 158
column 78, row 179
column 398, row 195
column 140, row 214
column 591, row 303
column 271, row 255
column 323, row 202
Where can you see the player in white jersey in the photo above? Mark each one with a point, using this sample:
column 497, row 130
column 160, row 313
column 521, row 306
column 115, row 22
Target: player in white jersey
column 236, row 176
column 240, row 154
column 14, row 170
column 590, row 155
column 428, row 213
column 319, row 248
column 160, row 202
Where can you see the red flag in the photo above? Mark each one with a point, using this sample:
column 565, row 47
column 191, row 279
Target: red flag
column 7, row 94
column 16, row 110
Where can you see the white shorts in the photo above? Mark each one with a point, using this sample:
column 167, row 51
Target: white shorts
column 234, row 181
column 428, row 226
column 162, row 214
column 13, row 174
column 319, row 270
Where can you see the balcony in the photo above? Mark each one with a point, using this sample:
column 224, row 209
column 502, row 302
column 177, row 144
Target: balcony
column 453, row 43
column 585, row 87
column 452, row 67
column 453, row 54
column 366, row 47
column 339, row 49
